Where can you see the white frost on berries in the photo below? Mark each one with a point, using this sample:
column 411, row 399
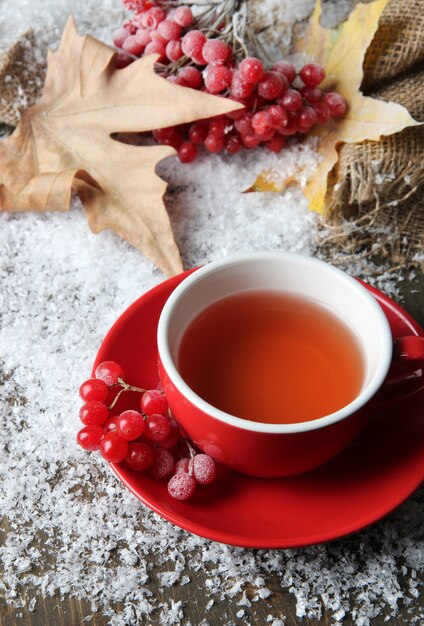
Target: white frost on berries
column 61, row 289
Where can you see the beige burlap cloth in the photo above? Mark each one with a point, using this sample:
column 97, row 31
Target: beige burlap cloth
column 380, row 190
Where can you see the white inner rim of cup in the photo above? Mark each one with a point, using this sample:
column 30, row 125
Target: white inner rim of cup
column 304, row 276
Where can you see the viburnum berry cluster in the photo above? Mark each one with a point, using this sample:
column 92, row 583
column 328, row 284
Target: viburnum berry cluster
column 207, row 50
column 148, row 439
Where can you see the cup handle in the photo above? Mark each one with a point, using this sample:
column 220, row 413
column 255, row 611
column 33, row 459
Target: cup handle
column 407, row 364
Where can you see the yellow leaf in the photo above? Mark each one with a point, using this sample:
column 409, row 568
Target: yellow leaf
column 341, row 52
column 64, row 143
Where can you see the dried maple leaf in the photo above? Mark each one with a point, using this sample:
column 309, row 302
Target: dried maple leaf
column 341, row 52
column 64, row 144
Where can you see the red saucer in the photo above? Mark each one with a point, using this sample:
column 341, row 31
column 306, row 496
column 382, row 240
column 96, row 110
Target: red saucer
column 373, row 476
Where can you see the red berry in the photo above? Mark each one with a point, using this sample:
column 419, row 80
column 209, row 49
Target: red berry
column 250, row 141
column 173, row 50
column 183, row 16
column 215, row 51
column 276, row 143
column 153, row 401
column 169, row 29
column 204, row 469
column 139, row 456
column 110, row 424
column 289, row 129
column 191, row 77
column 277, row 115
column 153, row 17
column 157, row 37
column 155, row 47
column 240, row 88
column 187, row 152
column 93, row 389
column 291, row 100
column 113, row 448
column 192, row 44
column 131, row 46
column 181, row 486
column 251, row 70
column 323, row 112
column 266, row 135
column 174, row 436
column 131, row 28
column 110, row 372
column 119, row 36
column 123, row 59
column 130, row 425
column 312, row 94
column 197, row 134
column 157, row 428
column 312, row 74
column 214, row 143
column 285, row 68
column 261, row 122
column 272, row 85
column 182, row 466
column 244, row 125
column 142, row 37
column 218, row 126
column 336, row 103
column 233, row 143
column 90, row 437
column 162, row 464
column 306, row 118
column 217, row 78
column 93, row 413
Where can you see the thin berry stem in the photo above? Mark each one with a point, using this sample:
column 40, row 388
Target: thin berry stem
column 125, row 387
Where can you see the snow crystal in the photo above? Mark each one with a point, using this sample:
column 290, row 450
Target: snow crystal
column 61, row 289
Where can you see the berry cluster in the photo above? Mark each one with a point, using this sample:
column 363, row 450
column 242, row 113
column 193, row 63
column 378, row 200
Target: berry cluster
column 149, row 439
column 278, row 101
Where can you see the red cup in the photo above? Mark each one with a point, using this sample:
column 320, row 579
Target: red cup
column 275, row 450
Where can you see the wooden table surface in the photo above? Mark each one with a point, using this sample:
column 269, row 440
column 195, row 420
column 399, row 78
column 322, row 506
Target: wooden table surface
column 71, row 611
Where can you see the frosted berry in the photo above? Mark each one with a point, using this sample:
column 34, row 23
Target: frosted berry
column 93, row 413
column 217, row 126
column 153, row 17
column 312, row 74
column 266, row 134
column 157, row 428
column 240, row 88
column 272, row 85
column 250, row 141
column 155, row 47
column 181, row 486
column 155, row 36
column 132, row 46
column 197, row 134
column 261, row 122
column 119, row 36
column 244, row 125
column 183, row 16
column 173, row 50
column 130, row 425
column 162, row 465
column 204, row 469
column 172, row 438
column 291, row 100
column 217, row 78
column 312, row 94
column 182, row 466
column 93, row 389
column 277, row 116
column 187, row 152
column 213, row 143
column 139, row 456
column 192, row 44
column 154, row 402
column 142, row 37
column 113, row 448
column 109, row 372
column 215, row 51
column 336, row 103
column 191, row 77
column 285, row 68
column 233, row 143
column 90, row 437
column 251, row 70
column 169, row 30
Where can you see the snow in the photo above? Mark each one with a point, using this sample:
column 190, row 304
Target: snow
column 61, row 289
